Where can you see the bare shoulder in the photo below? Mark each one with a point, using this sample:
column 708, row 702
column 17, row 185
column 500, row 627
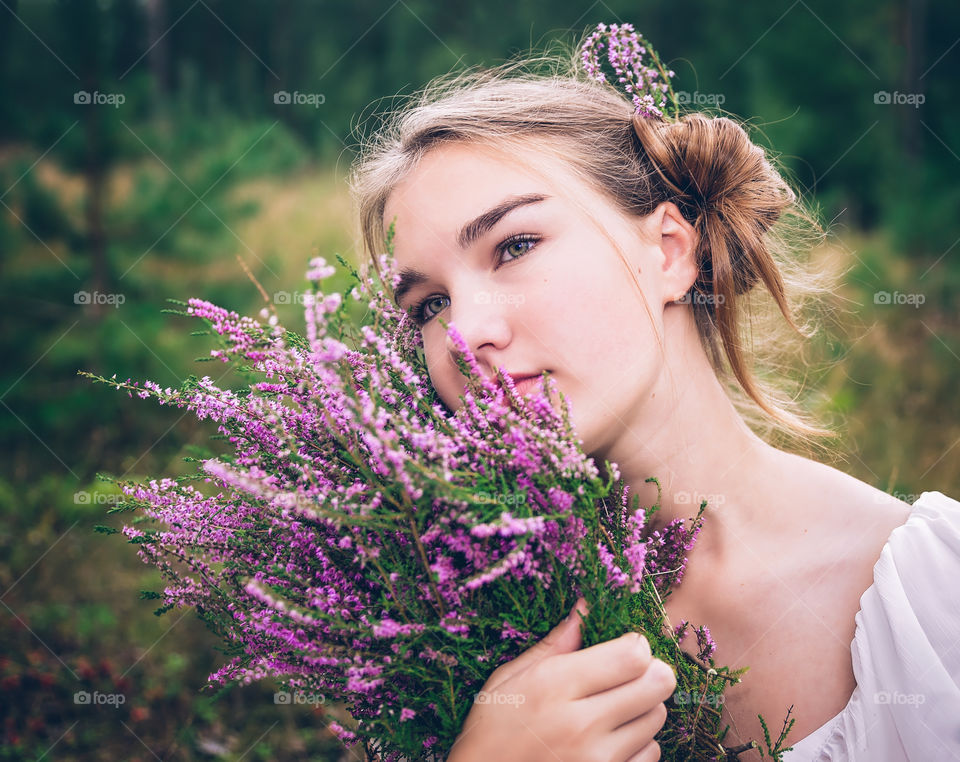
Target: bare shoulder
column 832, row 529
column 844, row 512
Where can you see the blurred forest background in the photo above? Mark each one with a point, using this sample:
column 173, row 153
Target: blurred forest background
column 146, row 144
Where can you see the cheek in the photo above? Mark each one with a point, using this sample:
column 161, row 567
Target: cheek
column 588, row 325
column 602, row 323
column 444, row 375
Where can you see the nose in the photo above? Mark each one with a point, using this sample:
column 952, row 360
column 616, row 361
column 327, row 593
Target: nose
column 483, row 324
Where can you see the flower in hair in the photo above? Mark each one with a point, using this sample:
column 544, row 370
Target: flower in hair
column 636, row 67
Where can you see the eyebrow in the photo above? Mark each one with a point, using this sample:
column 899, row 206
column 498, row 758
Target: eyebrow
column 469, row 233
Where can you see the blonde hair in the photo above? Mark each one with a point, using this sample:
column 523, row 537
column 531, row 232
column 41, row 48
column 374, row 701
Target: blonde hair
column 749, row 221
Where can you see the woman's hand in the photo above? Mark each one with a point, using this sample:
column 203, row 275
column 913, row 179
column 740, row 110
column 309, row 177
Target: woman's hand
column 556, row 703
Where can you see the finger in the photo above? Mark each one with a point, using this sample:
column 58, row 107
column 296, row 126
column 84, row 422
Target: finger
column 562, row 639
column 636, row 736
column 606, row 665
column 627, row 702
column 650, row 753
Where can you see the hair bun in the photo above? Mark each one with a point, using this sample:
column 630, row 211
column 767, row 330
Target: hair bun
column 725, row 186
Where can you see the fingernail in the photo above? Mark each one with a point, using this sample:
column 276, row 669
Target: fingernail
column 580, row 605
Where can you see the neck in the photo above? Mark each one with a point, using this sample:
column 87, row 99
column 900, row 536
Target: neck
column 690, row 437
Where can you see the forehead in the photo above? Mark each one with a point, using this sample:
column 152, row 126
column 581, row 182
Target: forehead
column 455, row 182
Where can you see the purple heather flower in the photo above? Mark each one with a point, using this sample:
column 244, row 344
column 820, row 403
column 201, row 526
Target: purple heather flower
column 626, row 52
column 705, row 643
column 344, row 540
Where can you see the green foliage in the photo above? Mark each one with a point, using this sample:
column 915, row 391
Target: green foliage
column 210, row 123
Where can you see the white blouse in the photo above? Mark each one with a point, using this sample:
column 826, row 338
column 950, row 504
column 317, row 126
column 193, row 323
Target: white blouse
column 906, row 651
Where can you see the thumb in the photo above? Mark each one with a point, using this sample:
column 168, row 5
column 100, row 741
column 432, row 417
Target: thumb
column 564, row 638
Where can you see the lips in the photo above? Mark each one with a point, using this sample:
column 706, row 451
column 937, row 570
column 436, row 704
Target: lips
column 526, row 385
column 524, row 382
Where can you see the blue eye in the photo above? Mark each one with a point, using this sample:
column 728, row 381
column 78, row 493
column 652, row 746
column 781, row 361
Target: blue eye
column 525, row 241
column 525, row 238
column 419, row 307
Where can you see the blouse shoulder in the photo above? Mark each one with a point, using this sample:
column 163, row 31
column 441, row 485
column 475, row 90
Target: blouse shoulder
column 905, row 650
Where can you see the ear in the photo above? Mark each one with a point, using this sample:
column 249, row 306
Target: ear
column 677, row 240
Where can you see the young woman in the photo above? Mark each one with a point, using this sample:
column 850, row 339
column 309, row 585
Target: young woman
column 630, row 258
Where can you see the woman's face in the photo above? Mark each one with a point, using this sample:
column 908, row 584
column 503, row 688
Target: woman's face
column 515, row 260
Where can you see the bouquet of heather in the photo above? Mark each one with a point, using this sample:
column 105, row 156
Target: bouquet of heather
column 362, row 541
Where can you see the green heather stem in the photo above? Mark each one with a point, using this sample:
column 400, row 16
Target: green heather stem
column 423, row 553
